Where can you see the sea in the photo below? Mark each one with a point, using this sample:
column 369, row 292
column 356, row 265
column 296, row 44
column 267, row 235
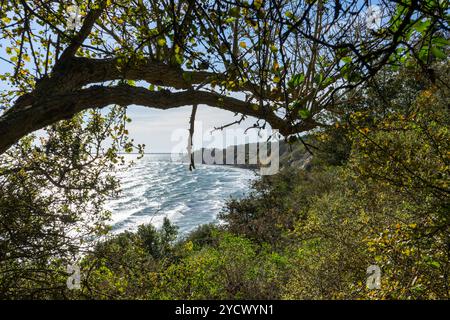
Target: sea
column 161, row 185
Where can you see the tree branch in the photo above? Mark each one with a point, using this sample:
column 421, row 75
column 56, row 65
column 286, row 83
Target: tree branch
column 18, row 122
column 84, row 32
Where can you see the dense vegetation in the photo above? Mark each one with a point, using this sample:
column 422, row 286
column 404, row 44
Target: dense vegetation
column 374, row 193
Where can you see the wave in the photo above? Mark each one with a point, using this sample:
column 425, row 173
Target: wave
column 153, row 190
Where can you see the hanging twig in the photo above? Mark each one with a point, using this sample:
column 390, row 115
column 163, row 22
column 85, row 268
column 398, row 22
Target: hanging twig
column 191, row 138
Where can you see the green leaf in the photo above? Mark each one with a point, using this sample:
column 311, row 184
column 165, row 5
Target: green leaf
column 318, row 78
column 235, row 12
column 438, row 53
column 347, row 59
column 423, row 53
column 304, row 113
column 179, row 58
column 435, row 264
column 441, row 42
column 257, row 4
column 6, row 20
column 328, row 81
column 421, row 26
column 296, row 80
column 230, row 20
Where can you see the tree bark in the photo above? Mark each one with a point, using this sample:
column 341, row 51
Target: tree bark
column 24, row 119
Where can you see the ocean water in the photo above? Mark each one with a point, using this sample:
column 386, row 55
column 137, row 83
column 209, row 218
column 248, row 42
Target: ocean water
column 157, row 187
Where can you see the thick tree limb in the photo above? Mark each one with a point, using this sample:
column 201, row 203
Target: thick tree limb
column 18, row 122
column 79, row 72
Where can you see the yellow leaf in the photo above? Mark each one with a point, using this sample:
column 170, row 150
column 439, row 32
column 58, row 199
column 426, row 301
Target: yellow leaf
column 276, row 66
column 242, row 44
column 161, row 42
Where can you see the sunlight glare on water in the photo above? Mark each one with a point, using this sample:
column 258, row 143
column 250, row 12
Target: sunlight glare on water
column 156, row 187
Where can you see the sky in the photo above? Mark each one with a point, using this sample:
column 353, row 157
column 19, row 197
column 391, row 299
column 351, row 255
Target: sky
column 166, row 131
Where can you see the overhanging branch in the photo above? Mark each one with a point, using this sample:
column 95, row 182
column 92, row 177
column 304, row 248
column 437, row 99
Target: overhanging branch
column 18, row 122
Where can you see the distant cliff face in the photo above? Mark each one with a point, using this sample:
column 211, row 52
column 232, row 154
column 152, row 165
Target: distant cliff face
column 246, row 156
column 294, row 155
